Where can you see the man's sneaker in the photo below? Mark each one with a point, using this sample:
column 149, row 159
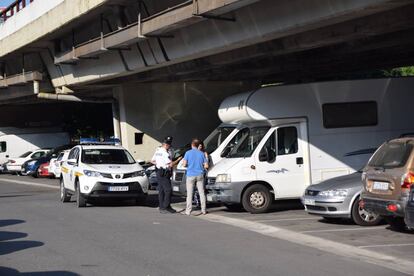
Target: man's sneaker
column 164, row 211
column 204, row 213
column 171, row 210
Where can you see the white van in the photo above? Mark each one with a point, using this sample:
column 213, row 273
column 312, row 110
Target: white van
column 16, row 141
column 288, row 137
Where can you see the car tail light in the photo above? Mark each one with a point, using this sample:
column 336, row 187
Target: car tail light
column 392, row 207
column 12, row 161
column 407, row 181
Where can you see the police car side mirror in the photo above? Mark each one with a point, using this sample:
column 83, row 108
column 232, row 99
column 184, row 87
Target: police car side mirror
column 72, row 161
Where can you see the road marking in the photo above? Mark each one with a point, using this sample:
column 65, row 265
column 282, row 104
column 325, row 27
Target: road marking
column 386, row 245
column 340, row 249
column 344, row 229
column 29, row 183
column 287, row 219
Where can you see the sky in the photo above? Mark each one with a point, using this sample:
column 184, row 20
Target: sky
column 5, row 3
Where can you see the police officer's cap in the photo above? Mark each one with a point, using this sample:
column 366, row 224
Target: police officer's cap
column 168, row 140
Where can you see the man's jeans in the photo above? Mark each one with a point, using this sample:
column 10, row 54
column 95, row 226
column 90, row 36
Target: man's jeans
column 199, row 181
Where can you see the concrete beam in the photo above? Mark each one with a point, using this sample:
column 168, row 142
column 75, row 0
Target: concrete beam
column 21, row 79
column 63, row 14
column 256, row 23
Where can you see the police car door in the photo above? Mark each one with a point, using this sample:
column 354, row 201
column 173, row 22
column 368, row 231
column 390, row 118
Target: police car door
column 285, row 166
column 68, row 169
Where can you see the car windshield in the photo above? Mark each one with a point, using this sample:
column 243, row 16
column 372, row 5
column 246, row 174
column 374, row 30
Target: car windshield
column 213, row 141
column 391, row 155
column 248, row 142
column 106, row 156
column 26, row 154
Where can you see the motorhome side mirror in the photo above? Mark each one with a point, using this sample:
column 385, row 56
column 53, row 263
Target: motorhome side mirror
column 72, row 161
column 264, row 155
column 267, row 155
column 227, row 150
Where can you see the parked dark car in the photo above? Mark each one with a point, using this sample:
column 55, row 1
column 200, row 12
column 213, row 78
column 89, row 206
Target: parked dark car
column 31, row 167
column 409, row 210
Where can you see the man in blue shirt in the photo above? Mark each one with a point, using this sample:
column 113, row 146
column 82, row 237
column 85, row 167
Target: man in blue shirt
column 196, row 164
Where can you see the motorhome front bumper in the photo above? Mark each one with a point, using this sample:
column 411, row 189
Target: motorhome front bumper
column 224, row 192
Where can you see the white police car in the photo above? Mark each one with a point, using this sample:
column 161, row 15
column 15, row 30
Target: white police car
column 101, row 170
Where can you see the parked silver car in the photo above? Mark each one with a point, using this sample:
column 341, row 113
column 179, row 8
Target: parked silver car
column 339, row 198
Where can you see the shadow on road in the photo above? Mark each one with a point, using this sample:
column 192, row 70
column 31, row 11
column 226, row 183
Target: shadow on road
column 5, row 235
column 6, row 271
column 7, row 222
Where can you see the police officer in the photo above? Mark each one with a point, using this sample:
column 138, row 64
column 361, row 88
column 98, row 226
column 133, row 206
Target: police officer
column 162, row 159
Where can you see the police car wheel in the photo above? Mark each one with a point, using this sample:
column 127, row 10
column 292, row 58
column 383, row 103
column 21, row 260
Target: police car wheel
column 80, row 200
column 64, row 195
column 257, row 199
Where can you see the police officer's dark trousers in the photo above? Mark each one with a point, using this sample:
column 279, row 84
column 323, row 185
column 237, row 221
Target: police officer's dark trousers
column 164, row 189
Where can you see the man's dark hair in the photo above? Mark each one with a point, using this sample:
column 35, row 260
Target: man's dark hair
column 195, row 142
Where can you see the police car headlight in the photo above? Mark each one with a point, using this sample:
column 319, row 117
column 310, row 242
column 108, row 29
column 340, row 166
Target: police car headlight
column 223, row 178
column 334, row 193
column 91, row 173
column 139, row 173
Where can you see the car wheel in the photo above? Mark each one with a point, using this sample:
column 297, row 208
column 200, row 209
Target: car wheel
column 363, row 217
column 80, row 200
column 257, row 199
column 396, row 224
column 64, row 195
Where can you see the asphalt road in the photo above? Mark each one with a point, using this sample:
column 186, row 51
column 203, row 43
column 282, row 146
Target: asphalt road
column 41, row 236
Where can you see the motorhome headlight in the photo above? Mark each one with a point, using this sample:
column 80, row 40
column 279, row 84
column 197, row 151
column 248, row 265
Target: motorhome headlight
column 334, row 193
column 223, row 178
column 91, row 173
column 138, row 173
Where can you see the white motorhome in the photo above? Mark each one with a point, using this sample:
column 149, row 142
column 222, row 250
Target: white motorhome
column 16, row 141
column 285, row 138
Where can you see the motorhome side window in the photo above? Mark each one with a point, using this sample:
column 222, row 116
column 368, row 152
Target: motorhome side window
column 351, row 114
column 287, row 140
column 3, row 146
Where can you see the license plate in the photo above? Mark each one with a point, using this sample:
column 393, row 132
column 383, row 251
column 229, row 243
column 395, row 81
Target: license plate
column 209, row 198
column 118, row 189
column 382, row 186
column 176, row 188
column 309, row 201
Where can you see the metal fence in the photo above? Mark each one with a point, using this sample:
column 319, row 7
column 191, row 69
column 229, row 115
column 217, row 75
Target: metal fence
column 13, row 8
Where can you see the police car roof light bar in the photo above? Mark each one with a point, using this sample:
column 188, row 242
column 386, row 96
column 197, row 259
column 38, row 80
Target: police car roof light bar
column 95, row 141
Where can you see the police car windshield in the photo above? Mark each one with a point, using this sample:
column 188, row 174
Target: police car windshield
column 106, row 156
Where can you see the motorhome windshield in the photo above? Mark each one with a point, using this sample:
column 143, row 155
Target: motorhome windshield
column 248, row 142
column 214, row 140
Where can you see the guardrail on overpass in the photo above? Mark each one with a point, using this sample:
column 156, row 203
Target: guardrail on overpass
column 14, row 8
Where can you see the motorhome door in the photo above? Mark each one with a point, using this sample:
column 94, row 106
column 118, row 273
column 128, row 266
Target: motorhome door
column 283, row 160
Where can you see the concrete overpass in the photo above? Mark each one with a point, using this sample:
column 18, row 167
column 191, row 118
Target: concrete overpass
column 162, row 60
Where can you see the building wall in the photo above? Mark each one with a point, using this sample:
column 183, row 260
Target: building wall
column 182, row 110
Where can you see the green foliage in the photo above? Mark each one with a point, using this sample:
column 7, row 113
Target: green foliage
column 399, row 72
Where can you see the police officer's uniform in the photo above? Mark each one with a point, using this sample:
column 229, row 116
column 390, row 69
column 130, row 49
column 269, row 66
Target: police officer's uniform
column 163, row 159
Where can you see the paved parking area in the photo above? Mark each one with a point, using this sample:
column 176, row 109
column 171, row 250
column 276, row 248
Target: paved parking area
column 290, row 215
